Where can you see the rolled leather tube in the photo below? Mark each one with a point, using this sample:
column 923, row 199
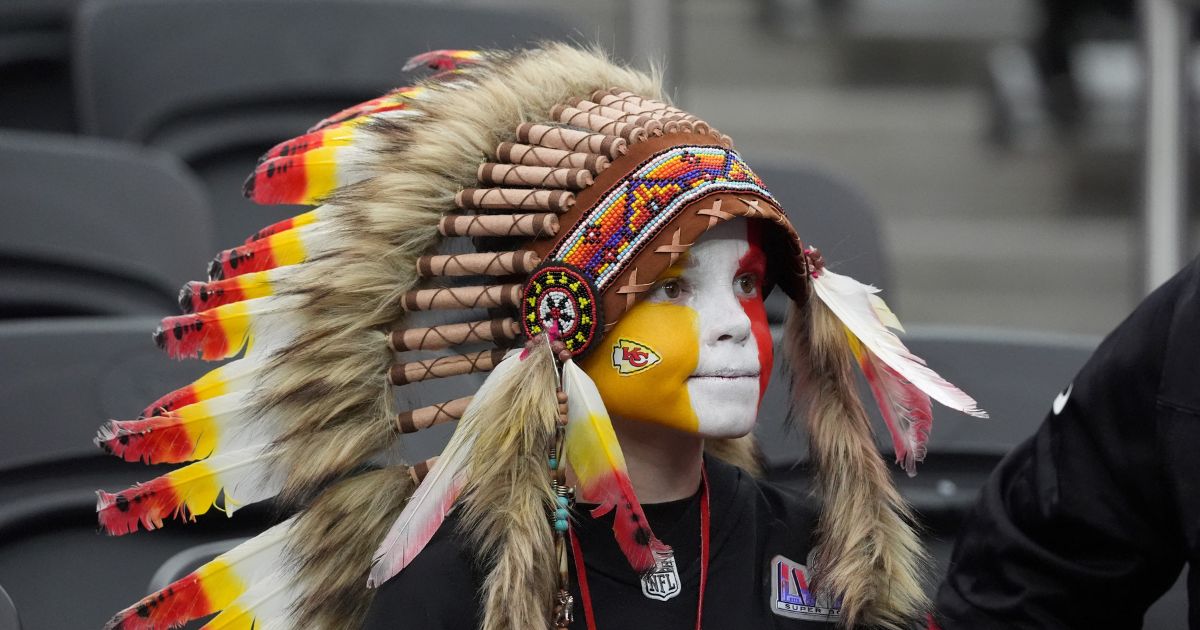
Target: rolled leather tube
column 425, row 417
column 534, row 224
column 447, row 335
column 488, row 296
column 442, row 367
column 478, row 264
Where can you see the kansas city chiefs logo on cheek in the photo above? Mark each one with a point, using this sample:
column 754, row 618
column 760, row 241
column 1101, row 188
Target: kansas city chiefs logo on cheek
column 631, row 357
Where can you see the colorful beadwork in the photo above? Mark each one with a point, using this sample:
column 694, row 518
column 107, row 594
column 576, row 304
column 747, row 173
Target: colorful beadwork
column 562, row 295
column 636, row 209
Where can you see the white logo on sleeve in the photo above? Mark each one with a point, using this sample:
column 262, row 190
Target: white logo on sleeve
column 1060, row 401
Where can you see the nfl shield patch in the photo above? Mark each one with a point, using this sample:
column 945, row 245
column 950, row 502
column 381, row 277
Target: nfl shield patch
column 662, row 583
column 793, row 594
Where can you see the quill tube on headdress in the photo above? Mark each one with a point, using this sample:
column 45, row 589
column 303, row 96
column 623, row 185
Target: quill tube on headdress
column 901, row 382
column 595, row 456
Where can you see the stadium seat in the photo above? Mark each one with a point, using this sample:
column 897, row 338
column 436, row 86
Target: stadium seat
column 64, row 377
column 35, row 82
column 831, row 214
column 218, row 82
column 96, row 227
column 9, row 619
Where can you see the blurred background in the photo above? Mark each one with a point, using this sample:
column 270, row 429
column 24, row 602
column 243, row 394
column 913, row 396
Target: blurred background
column 998, row 167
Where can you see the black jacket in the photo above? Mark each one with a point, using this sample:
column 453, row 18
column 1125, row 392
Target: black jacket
column 752, row 523
column 1087, row 523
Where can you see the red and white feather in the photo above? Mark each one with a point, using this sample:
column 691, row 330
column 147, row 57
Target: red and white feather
column 434, row 498
column 901, row 381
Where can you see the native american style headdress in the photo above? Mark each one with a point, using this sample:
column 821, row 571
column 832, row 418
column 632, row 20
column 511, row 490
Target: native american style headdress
column 578, row 185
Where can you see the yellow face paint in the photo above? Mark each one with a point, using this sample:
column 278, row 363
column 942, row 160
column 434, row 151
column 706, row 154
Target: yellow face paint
column 642, row 365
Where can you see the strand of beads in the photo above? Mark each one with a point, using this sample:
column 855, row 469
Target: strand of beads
column 564, row 602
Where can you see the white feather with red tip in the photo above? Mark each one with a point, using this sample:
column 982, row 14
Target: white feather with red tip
column 431, row 502
column 899, row 379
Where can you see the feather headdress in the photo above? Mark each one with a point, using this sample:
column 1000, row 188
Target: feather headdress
column 579, row 184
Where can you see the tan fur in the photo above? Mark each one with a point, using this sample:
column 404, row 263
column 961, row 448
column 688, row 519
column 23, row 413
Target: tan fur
column 334, row 541
column 868, row 551
column 325, row 386
column 742, row 452
column 508, row 497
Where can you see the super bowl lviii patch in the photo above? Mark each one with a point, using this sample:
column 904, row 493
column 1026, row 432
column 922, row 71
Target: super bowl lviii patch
column 793, row 594
column 631, row 357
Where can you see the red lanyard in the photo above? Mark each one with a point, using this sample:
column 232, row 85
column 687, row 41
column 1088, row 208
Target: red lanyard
column 581, row 570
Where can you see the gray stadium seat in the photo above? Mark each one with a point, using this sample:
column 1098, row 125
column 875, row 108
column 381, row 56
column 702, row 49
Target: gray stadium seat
column 9, row 619
column 96, row 227
column 831, row 214
column 66, row 376
column 35, row 84
column 227, row 79
column 63, row 378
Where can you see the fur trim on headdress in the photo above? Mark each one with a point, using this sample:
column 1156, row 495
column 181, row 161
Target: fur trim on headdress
column 867, row 551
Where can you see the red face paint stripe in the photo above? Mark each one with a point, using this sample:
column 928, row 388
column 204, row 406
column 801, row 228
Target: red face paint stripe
column 754, row 261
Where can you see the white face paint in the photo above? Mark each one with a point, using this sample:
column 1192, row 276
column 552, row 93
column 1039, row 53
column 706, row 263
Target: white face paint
column 725, row 386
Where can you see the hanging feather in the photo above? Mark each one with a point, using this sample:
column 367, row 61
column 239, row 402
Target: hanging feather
column 212, row 587
column 290, row 247
column 866, row 548
column 508, row 495
column 197, row 431
column 443, row 60
column 439, row 490
column 851, row 302
column 905, row 409
column 233, row 376
column 306, row 178
column 244, row 476
column 595, row 455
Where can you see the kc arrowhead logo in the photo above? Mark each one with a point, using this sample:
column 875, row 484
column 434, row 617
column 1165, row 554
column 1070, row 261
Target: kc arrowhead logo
column 631, row 357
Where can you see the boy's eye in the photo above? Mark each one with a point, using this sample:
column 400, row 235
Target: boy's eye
column 670, row 288
column 746, row 284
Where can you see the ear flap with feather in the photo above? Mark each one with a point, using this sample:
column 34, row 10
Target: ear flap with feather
column 867, row 551
column 901, row 382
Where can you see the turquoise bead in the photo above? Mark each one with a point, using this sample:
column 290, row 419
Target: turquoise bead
column 562, row 501
column 561, row 514
column 553, row 463
column 560, row 526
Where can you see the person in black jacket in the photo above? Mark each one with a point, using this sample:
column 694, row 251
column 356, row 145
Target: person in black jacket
column 1088, row 522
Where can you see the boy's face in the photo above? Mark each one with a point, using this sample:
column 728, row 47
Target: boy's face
column 696, row 353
